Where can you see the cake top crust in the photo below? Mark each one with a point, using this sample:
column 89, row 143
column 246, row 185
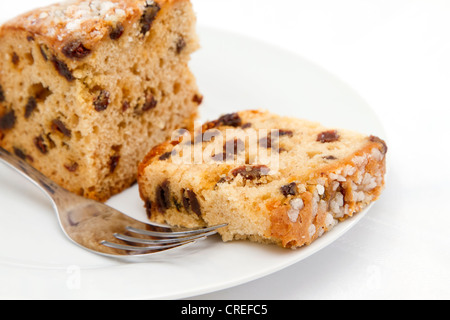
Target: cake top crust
column 86, row 21
column 259, row 147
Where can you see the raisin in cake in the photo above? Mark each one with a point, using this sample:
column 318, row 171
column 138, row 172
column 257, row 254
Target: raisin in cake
column 272, row 179
column 87, row 87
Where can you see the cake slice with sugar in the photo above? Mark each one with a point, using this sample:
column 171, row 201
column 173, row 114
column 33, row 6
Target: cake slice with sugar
column 87, row 87
column 272, row 179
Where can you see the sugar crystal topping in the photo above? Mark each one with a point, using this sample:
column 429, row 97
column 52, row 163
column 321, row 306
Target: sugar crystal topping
column 80, row 18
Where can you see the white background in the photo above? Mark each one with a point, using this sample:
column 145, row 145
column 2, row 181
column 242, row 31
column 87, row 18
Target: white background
column 396, row 54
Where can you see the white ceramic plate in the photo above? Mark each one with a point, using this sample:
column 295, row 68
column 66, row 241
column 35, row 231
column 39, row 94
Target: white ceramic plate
column 234, row 72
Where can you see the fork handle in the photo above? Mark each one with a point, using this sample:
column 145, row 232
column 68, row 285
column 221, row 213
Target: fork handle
column 42, row 182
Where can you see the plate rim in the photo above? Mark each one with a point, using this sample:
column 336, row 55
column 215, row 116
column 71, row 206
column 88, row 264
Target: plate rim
column 301, row 253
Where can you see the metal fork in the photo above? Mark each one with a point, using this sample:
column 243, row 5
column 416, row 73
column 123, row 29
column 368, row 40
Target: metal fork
column 103, row 230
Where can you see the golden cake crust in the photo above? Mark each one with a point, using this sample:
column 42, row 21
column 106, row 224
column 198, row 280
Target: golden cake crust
column 323, row 176
column 87, row 21
column 88, row 86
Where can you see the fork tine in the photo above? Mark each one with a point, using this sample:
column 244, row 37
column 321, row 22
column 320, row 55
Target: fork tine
column 78, row 215
column 175, row 234
column 143, row 249
column 164, row 240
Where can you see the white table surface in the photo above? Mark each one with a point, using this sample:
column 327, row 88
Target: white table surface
column 396, row 54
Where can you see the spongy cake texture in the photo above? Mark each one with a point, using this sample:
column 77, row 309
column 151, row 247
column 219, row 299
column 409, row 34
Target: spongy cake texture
column 272, row 179
column 88, row 87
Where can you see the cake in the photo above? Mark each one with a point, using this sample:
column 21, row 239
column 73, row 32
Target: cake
column 271, row 179
column 87, row 87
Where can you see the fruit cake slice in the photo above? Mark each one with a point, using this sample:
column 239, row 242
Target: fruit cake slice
column 87, row 87
column 272, row 179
